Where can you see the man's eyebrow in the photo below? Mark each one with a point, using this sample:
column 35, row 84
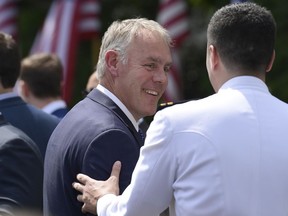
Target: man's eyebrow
column 156, row 59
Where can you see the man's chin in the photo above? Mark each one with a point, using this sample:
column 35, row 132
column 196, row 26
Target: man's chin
column 152, row 112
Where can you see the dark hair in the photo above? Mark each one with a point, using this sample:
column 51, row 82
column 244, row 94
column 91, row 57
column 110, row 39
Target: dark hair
column 9, row 61
column 244, row 36
column 43, row 74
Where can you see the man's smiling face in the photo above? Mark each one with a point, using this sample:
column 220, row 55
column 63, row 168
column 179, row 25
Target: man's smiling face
column 143, row 76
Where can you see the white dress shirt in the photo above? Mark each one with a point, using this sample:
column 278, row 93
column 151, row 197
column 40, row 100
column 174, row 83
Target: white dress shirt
column 8, row 95
column 54, row 105
column 225, row 155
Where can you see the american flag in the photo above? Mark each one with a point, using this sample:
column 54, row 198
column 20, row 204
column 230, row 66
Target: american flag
column 8, row 17
column 173, row 15
column 68, row 22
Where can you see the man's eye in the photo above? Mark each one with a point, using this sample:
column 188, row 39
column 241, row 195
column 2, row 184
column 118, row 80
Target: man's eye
column 167, row 69
column 150, row 66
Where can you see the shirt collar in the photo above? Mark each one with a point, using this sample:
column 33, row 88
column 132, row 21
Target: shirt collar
column 8, row 95
column 244, row 82
column 119, row 103
column 55, row 105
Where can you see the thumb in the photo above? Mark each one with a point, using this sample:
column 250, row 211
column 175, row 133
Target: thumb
column 116, row 170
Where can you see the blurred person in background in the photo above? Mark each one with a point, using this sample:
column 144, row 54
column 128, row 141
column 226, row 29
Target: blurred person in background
column 40, row 83
column 37, row 124
column 21, row 172
column 91, row 83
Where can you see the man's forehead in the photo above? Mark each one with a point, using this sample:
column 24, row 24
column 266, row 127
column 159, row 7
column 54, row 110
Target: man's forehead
column 155, row 59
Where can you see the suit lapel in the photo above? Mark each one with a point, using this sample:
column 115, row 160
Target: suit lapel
column 103, row 99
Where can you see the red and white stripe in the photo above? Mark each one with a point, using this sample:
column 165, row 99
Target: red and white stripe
column 67, row 22
column 8, row 17
column 173, row 15
column 89, row 20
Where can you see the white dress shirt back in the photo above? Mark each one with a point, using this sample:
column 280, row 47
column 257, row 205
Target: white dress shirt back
column 225, row 155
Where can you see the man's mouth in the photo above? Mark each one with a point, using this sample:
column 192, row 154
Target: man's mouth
column 151, row 92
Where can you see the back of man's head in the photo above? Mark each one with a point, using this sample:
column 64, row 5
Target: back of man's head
column 43, row 74
column 9, row 61
column 244, row 36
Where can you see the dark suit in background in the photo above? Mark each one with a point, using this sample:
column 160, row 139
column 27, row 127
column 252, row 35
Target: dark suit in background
column 34, row 122
column 60, row 113
column 21, row 171
column 21, row 168
column 84, row 141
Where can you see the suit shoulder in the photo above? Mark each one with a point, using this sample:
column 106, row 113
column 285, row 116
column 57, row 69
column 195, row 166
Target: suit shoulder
column 13, row 135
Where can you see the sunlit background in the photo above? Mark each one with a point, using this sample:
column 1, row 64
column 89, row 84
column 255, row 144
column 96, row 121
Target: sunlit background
column 186, row 20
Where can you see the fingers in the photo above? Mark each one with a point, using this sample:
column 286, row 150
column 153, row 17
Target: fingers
column 82, row 178
column 82, row 181
column 91, row 190
column 83, row 209
column 80, row 198
column 116, row 169
column 77, row 186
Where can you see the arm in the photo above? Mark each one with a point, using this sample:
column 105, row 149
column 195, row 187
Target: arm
column 150, row 191
column 110, row 146
column 92, row 190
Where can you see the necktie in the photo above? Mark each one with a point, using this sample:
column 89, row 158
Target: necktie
column 140, row 132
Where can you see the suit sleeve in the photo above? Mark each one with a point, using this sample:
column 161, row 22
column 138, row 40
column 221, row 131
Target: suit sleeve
column 151, row 188
column 110, row 146
column 21, row 176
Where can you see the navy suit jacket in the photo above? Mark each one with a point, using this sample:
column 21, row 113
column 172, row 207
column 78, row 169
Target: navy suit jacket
column 37, row 124
column 89, row 139
column 21, row 171
column 60, row 113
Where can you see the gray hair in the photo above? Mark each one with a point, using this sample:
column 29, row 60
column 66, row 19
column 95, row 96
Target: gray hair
column 121, row 33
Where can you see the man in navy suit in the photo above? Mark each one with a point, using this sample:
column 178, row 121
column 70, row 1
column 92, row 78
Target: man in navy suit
column 21, row 172
column 34, row 122
column 132, row 69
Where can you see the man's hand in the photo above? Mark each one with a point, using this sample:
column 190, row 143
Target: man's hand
column 92, row 190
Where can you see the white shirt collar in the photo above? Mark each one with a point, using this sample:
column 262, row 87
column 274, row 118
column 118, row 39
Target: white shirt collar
column 8, row 95
column 119, row 103
column 250, row 82
column 55, row 105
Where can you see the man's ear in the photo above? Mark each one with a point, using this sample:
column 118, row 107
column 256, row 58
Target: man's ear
column 23, row 89
column 269, row 67
column 111, row 59
column 213, row 57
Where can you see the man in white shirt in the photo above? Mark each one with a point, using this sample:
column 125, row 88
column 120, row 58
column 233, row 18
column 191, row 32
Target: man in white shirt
column 226, row 154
